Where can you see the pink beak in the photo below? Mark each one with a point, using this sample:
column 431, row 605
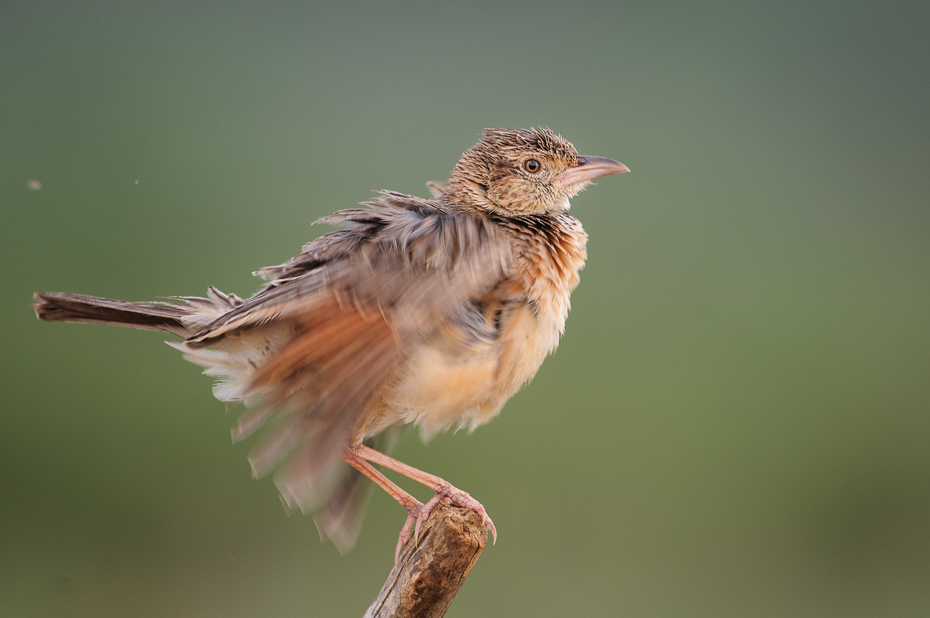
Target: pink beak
column 590, row 168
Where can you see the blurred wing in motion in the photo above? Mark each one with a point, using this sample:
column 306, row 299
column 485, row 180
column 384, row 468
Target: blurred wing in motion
column 311, row 350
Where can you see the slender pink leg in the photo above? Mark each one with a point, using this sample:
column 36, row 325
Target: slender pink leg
column 445, row 492
column 413, row 506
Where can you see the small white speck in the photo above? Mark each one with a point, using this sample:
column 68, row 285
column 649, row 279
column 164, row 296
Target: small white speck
column 137, row 182
column 35, row 185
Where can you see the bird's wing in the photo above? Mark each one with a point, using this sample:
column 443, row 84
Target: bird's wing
column 357, row 299
column 402, row 256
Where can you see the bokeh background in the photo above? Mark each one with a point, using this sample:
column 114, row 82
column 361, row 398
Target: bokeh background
column 737, row 422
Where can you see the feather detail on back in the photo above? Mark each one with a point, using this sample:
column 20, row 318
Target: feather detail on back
column 403, row 254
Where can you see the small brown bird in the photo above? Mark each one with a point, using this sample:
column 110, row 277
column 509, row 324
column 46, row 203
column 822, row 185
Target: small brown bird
column 431, row 312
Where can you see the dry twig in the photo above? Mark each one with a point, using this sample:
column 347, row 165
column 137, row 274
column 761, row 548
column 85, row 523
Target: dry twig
column 431, row 570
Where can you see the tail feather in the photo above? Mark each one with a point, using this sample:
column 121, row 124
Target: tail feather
column 59, row 307
column 340, row 519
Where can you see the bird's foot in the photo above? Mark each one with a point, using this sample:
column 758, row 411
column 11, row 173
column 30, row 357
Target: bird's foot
column 361, row 457
column 456, row 497
column 418, row 513
column 413, row 506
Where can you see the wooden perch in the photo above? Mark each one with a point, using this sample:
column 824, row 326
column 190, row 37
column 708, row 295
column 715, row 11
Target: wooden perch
column 431, row 569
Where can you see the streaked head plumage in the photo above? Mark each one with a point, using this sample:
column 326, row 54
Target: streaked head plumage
column 515, row 172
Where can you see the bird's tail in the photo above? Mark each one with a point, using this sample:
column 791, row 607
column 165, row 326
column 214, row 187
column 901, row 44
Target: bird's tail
column 59, row 307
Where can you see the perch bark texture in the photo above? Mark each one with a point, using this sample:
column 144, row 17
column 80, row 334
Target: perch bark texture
column 431, row 570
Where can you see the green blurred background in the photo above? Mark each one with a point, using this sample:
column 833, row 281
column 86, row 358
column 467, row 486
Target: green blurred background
column 737, row 422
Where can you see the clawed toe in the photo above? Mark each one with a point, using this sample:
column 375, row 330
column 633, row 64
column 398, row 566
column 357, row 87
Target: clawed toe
column 419, row 513
column 463, row 499
column 405, row 534
column 416, row 515
column 425, row 512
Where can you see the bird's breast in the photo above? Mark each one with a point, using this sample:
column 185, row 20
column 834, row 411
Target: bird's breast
column 550, row 251
column 474, row 363
column 456, row 379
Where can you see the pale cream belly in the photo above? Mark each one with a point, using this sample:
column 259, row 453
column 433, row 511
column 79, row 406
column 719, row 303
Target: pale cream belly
column 449, row 383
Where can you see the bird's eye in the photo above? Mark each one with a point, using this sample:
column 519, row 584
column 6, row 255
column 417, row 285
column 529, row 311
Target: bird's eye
column 532, row 166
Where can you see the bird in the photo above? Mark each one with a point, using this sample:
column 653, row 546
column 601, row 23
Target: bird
column 429, row 312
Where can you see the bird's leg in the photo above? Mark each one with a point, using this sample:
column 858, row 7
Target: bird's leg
column 414, row 507
column 445, row 491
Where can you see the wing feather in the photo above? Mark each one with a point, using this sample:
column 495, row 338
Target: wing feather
column 402, row 254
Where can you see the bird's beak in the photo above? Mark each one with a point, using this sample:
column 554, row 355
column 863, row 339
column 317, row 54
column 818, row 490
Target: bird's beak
column 589, row 168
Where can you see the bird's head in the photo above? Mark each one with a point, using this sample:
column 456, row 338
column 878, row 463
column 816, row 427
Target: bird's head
column 521, row 172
